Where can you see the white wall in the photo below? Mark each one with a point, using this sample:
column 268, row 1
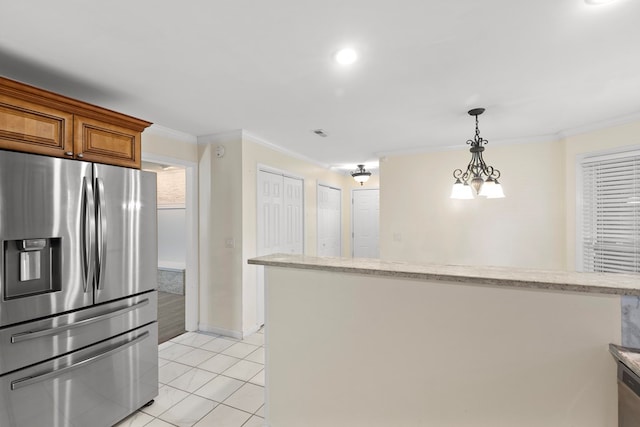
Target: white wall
column 172, row 237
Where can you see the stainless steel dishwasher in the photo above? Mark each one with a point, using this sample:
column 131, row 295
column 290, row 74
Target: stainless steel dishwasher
column 628, row 397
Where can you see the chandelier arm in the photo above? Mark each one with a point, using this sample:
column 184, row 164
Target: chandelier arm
column 477, row 171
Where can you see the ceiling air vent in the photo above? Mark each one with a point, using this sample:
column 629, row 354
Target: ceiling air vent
column 320, row 132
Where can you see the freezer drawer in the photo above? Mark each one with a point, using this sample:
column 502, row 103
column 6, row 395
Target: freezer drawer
column 96, row 386
column 29, row 343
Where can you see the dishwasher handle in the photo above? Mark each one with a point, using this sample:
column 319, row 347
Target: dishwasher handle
column 24, row 336
column 24, row 382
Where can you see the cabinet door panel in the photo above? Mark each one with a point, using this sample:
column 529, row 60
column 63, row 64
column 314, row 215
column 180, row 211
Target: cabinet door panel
column 33, row 128
column 96, row 141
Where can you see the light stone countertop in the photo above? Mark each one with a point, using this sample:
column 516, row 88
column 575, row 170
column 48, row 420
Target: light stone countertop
column 629, row 356
column 600, row 283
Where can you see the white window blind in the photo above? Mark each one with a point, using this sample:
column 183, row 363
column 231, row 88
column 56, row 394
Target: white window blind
column 611, row 213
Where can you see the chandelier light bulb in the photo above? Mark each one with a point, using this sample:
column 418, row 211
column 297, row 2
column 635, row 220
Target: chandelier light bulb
column 461, row 191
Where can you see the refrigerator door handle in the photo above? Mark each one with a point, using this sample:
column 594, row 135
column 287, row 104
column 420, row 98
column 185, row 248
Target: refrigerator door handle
column 102, row 232
column 87, row 233
column 24, row 382
column 24, row 336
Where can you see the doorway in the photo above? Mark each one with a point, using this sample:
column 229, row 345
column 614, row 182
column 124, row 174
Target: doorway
column 329, row 221
column 177, row 245
column 365, row 221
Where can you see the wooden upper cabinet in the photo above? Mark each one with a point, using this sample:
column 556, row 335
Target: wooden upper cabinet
column 42, row 122
column 96, row 141
column 26, row 126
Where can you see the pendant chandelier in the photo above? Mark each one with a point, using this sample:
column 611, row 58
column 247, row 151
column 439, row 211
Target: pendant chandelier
column 482, row 177
column 361, row 175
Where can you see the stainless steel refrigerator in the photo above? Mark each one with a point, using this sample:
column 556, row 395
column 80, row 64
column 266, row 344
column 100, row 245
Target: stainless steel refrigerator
column 78, row 300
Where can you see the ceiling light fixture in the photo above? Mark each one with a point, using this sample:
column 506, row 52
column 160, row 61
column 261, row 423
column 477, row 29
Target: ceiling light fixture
column 361, row 175
column 346, row 56
column 483, row 178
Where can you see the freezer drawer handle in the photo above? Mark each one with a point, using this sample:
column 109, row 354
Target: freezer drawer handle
column 24, row 336
column 23, row 382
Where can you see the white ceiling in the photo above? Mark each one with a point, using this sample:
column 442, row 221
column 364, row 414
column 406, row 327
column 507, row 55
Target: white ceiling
column 210, row 66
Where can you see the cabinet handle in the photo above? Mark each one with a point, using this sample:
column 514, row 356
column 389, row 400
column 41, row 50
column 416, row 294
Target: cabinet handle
column 68, row 153
column 80, row 155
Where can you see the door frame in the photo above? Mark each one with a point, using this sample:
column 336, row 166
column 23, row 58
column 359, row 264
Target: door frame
column 353, row 237
column 324, row 184
column 191, row 291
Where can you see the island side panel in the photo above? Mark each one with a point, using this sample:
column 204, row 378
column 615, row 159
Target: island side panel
column 353, row 350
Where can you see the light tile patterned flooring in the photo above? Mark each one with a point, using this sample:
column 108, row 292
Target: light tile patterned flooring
column 205, row 381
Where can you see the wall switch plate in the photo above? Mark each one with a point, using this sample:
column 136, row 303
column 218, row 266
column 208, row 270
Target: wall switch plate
column 230, row 243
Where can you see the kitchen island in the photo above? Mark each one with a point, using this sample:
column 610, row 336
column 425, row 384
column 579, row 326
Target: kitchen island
column 361, row 342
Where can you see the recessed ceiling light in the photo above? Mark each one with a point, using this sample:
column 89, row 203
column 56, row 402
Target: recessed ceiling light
column 346, row 56
column 597, row 2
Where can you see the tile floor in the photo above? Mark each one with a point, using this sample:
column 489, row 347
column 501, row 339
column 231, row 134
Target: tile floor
column 205, row 381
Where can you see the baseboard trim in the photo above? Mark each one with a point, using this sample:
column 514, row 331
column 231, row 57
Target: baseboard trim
column 220, row 331
column 251, row 331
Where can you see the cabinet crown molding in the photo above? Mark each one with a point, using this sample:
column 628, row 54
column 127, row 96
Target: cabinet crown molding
column 44, row 97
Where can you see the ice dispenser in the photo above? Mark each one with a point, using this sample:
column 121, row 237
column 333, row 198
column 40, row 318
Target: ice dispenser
column 31, row 266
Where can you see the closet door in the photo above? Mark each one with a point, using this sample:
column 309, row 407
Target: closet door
column 366, row 223
column 280, row 227
column 329, row 221
column 292, row 218
column 270, row 204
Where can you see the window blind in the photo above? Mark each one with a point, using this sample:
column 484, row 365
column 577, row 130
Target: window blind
column 611, row 213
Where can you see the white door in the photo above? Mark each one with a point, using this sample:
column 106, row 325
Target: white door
column 329, row 221
column 366, row 219
column 270, row 207
column 280, row 222
column 292, row 219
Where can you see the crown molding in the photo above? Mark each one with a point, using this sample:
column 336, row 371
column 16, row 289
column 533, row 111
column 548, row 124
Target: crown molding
column 253, row 138
column 603, row 124
column 166, row 132
column 442, row 148
column 229, row 137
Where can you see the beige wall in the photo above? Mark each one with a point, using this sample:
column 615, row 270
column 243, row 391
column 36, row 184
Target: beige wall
column 612, row 138
column 420, row 223
column 534, row 226
column 166, row 143
column 254, row 155
column 220, row 221
column 382, row 351
column 228, row 213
